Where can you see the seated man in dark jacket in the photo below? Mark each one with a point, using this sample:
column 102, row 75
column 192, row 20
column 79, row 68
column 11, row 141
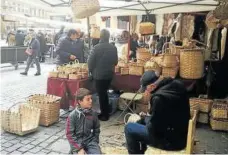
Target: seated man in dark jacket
column 167, row 126
column 70, row 48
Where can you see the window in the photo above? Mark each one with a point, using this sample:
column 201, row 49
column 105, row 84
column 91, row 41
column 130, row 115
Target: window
column 122, row 22
column 108, row 23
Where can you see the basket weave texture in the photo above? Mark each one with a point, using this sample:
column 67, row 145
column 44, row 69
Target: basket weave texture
column 49, row 106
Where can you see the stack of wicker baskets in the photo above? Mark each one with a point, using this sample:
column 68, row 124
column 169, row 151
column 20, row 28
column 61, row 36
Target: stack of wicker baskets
column 170, row 64
column 203, row 104
column 49, row 106
column 20, row 121
column 73, row 71
column 219, row 115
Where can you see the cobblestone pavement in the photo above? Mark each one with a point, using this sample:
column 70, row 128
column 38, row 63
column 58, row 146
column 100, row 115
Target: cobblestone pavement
column 52, row 140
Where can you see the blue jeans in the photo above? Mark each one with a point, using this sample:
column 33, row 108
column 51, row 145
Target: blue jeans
column 136, row 135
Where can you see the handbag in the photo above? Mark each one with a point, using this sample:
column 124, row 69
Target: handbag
column 29, row 51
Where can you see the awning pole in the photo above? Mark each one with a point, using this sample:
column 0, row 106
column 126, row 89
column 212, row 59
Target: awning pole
column 88, row 30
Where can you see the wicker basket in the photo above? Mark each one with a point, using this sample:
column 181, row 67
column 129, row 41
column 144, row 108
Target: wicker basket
column 219, row 109
column 95, row 32
column 169, row 72
column 75, row 76
column 49, row 106
column 143, row 54
column 84, row 8
column 136, row 69
column 122, row 64
column 124, row 71
column 152, row 65
column 194, row 106
column 191, row 63
column 63, row 75
column 203, row 118
column 53, row 74
column 174, row 49
column 146, row 28
column 21, row 122
column 204, row 103
column 220, row 124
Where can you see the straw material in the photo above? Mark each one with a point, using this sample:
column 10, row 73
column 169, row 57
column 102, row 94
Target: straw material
column 124, row 71
column 22, row 122
column 152, row 65
column 204, row 104
column 221, row 11
column 191, row 63
column 219, row 124
column 75, row 76
column 136, row 69
column 203, row 118
column 49, row 106
column 53, row 74
column 143, row 54
column 219, row 109
column 117, row 69
column 169, row 72
column 84, row 8
column 194, row 106
column 114, row 150
column 146, row 28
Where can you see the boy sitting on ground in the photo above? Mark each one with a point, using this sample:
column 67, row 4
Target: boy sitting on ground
column 83, row 126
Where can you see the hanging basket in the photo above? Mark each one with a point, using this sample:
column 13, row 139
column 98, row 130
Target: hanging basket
column 49, row 106
column 20, row 122
column 84, row 8
column 146, row 28
column 192, row 63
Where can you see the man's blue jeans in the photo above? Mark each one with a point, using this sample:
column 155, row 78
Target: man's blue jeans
column 137, row 134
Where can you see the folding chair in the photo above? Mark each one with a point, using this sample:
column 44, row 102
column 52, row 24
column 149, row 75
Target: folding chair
column 130, row 99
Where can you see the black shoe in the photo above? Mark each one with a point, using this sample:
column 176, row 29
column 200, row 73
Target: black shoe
column 37, row 74
column 103, row 118
column 24, row 73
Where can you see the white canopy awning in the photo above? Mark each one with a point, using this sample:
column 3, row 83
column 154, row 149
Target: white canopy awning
column 136, row 7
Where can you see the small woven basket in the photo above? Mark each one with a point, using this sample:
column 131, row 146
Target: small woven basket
column 22, row 121
column 143, row 54
column 194, row 106
column 136, row 69
column 152, row 65
column 204, row 103
column 220, row 124
column 219, row 109
column 49, row 106
column 117, row 69
column 146, row 28
column 75, row 76
column 192, row 63
column 53, row 74
column 84, row 8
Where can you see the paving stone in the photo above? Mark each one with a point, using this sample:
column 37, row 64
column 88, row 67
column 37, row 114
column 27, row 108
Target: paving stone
column 4, row 152
column 60, row 146
column 35, row 150
column 14, row 141
column 36, row 142
column 29, row 146
column 7, row 144
column 44, row 145
column 23, row 149
column 16, row 152
column 3, row 140
column 10, row 137
column 27, row 141
column 45, row 150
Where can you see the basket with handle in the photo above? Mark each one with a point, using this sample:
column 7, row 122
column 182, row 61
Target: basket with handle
column 174, row 49
column 203, row 102
column 219, row 109
column 169, row 59
column 170, row 71
column 23, row 121
column 191, row 63
column 84, row 8
column 49, row 106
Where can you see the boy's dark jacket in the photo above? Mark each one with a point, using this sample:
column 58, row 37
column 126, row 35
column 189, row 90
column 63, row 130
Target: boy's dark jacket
column 170, row 114
column 82, row 128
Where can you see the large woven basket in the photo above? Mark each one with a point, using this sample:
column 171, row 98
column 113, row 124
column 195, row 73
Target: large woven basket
column 146, row 28
column 219, row 109
column 192, row 63
column 220, row 124
column 22, row 121
column 49, row 106
column 204, row 103
column 84, row 8
column 203, row 118
column 169, row 72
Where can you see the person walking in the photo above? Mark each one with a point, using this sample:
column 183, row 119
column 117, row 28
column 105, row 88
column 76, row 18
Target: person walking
column 33, row 54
